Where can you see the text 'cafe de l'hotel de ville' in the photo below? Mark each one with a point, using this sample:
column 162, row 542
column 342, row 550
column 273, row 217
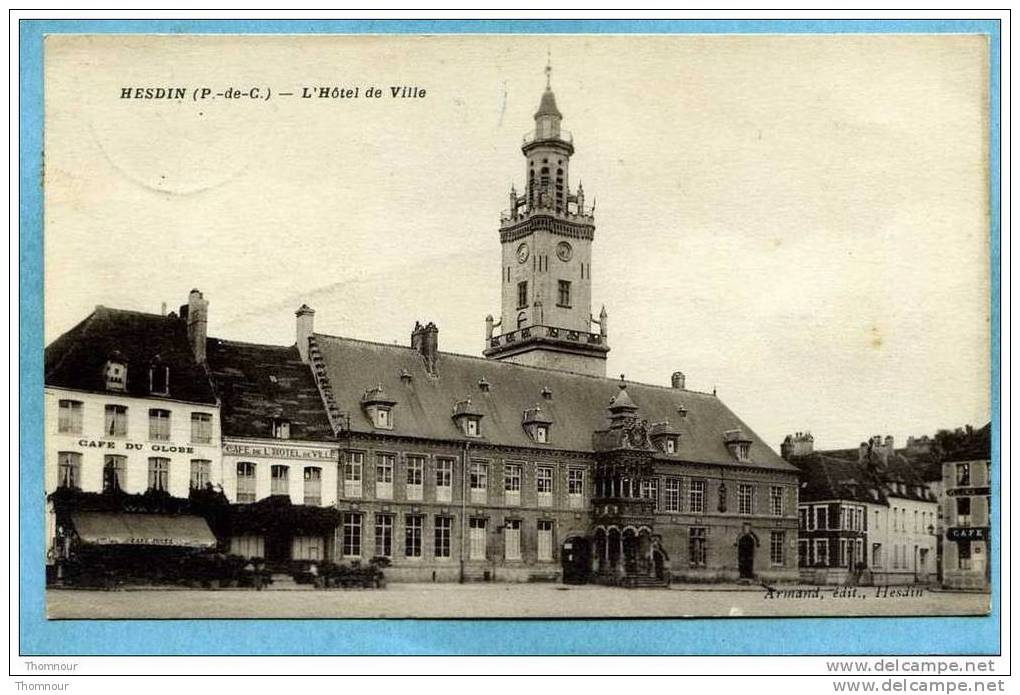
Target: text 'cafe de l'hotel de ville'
column 524, row 464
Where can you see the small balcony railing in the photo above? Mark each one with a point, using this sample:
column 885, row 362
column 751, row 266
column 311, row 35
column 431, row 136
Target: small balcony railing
column 534, row 136
column 580, row 337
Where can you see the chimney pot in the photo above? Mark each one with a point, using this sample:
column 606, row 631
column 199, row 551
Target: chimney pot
column 425, row 339
column 678, row 380
column 196, row 311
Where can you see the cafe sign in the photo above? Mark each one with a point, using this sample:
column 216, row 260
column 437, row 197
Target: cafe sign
column 280, row 452
column 969, row 491
column 968, row 533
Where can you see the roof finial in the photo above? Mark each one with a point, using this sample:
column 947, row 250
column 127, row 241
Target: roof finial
column 548, row 69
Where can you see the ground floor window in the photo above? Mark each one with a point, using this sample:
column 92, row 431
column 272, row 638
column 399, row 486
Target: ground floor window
column 512, row 540
column 477, row 539
column 698, row 546
column 313, row 486
column 802, row 554
column 201, row 473
column 69, row 469
column 351, row 545
column 859, row 551
column 777, row 548
column 280, row 480
column 963, row 553
column 306, row 548
column 442, row 537
column 545, row 540
column 821, row 552
column 159, row 474
column 412, row 536
column 114, row 473
column 384, row 535
column 245, row 481
column 876, row 554
column 248, row 546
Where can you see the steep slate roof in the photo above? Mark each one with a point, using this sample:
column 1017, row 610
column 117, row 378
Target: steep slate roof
column 831, row 478
column 577, row 405
column 878, row 473
column 243, row 375
column 75, row 360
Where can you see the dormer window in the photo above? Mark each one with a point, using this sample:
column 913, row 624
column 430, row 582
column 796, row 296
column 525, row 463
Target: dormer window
column 468, row 418
column 537, row 423
column 665, row 437
column 738, row 444
column 115, row 375
column 378, row 407
column 670, row 444
column 159, row 379
column 280, row 428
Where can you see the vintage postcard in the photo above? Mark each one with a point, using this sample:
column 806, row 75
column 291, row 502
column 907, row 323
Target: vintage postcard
column 517, row 326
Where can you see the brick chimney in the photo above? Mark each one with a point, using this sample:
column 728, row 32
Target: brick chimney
column 305, row 325
column 678, row 380
column 425, row 339
column 799, row 444
column 196, row 313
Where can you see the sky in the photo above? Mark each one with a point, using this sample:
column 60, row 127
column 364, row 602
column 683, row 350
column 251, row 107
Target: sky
column 798, row 222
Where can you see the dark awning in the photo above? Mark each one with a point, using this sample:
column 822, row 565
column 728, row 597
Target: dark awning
column 106, row 528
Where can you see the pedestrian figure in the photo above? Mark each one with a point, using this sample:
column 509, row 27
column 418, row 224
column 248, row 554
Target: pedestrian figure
column 249, row 573
column 259, row 570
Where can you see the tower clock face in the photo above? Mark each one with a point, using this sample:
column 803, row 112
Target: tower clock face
column 563, row 251
column 522, row 253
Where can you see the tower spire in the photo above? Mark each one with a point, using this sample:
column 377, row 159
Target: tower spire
column 548, row 69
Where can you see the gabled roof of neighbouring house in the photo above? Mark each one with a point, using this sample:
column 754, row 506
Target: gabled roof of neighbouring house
column 257, row 383
column 76, row 359
column 502, row 392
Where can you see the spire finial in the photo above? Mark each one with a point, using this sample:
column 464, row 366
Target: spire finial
column 548, row 69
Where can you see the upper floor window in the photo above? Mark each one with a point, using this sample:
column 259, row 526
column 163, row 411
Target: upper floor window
column 512, row 483
column 822, row 518
column 776, row 500
column 159, row 424
column 544, row 485
column 564, row 294
column 159, row 474
column 69, row 469
column 280, row 480
column 280, row 428
column 415, row 477
column 384, row 476
column 313, row 486
column 696, row 497
column 114, row 473
column 479, row 481
column 116, row 424
column 115, row 375
column 672, row 497
column 353, row 469
column 201, row 428
column 522, row 294
column 159, row 379
column 69, row 416
column 575, row 487
column 650, row 491
column 745, row 499
column 963, row 474
column 245, row 481
column 444, row 479
column 963, row 511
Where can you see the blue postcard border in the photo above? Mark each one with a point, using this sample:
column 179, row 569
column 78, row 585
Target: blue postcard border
column 801, row 636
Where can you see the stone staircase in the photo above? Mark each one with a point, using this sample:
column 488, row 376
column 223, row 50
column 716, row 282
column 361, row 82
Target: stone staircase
column 285, row 582
column 645, row 582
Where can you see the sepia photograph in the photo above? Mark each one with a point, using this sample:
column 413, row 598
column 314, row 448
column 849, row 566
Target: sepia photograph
column 516, row 326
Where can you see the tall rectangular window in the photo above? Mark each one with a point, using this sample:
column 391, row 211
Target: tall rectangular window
column 313, row 486
column 522, row 294
column 479, row 480
column 201, row 473
column 384, row 476
column 116, row 422
column 821, row 518
column 512, row 540
column 159, row 474
column 279, row 483
column 821, row 552
column 350, row 545
column 384, row 535
column 69, row 416
column 564, row 294
column 353, row 466
column 476, row 549
column 696, row 497
column 963, row 474
column 114, row 473
column 201, row 428
column 415, row 478
column 776, row 500
column 444, row 480
column 544, row 485
column 745, row 499
column 802, row 519
column 444, row 525
column 412, row 535
column 159, row 425
column 245, row 481
column 650, row 491
column 69, row 469
column 672, row 496
column 512, row 484
column 963, row 511
column 777, row 548
column 698, row 546
column 963, row 556
column 575, row 488
column 545, row 540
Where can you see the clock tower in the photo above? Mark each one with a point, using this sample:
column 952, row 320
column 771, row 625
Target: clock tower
column 546, row 237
